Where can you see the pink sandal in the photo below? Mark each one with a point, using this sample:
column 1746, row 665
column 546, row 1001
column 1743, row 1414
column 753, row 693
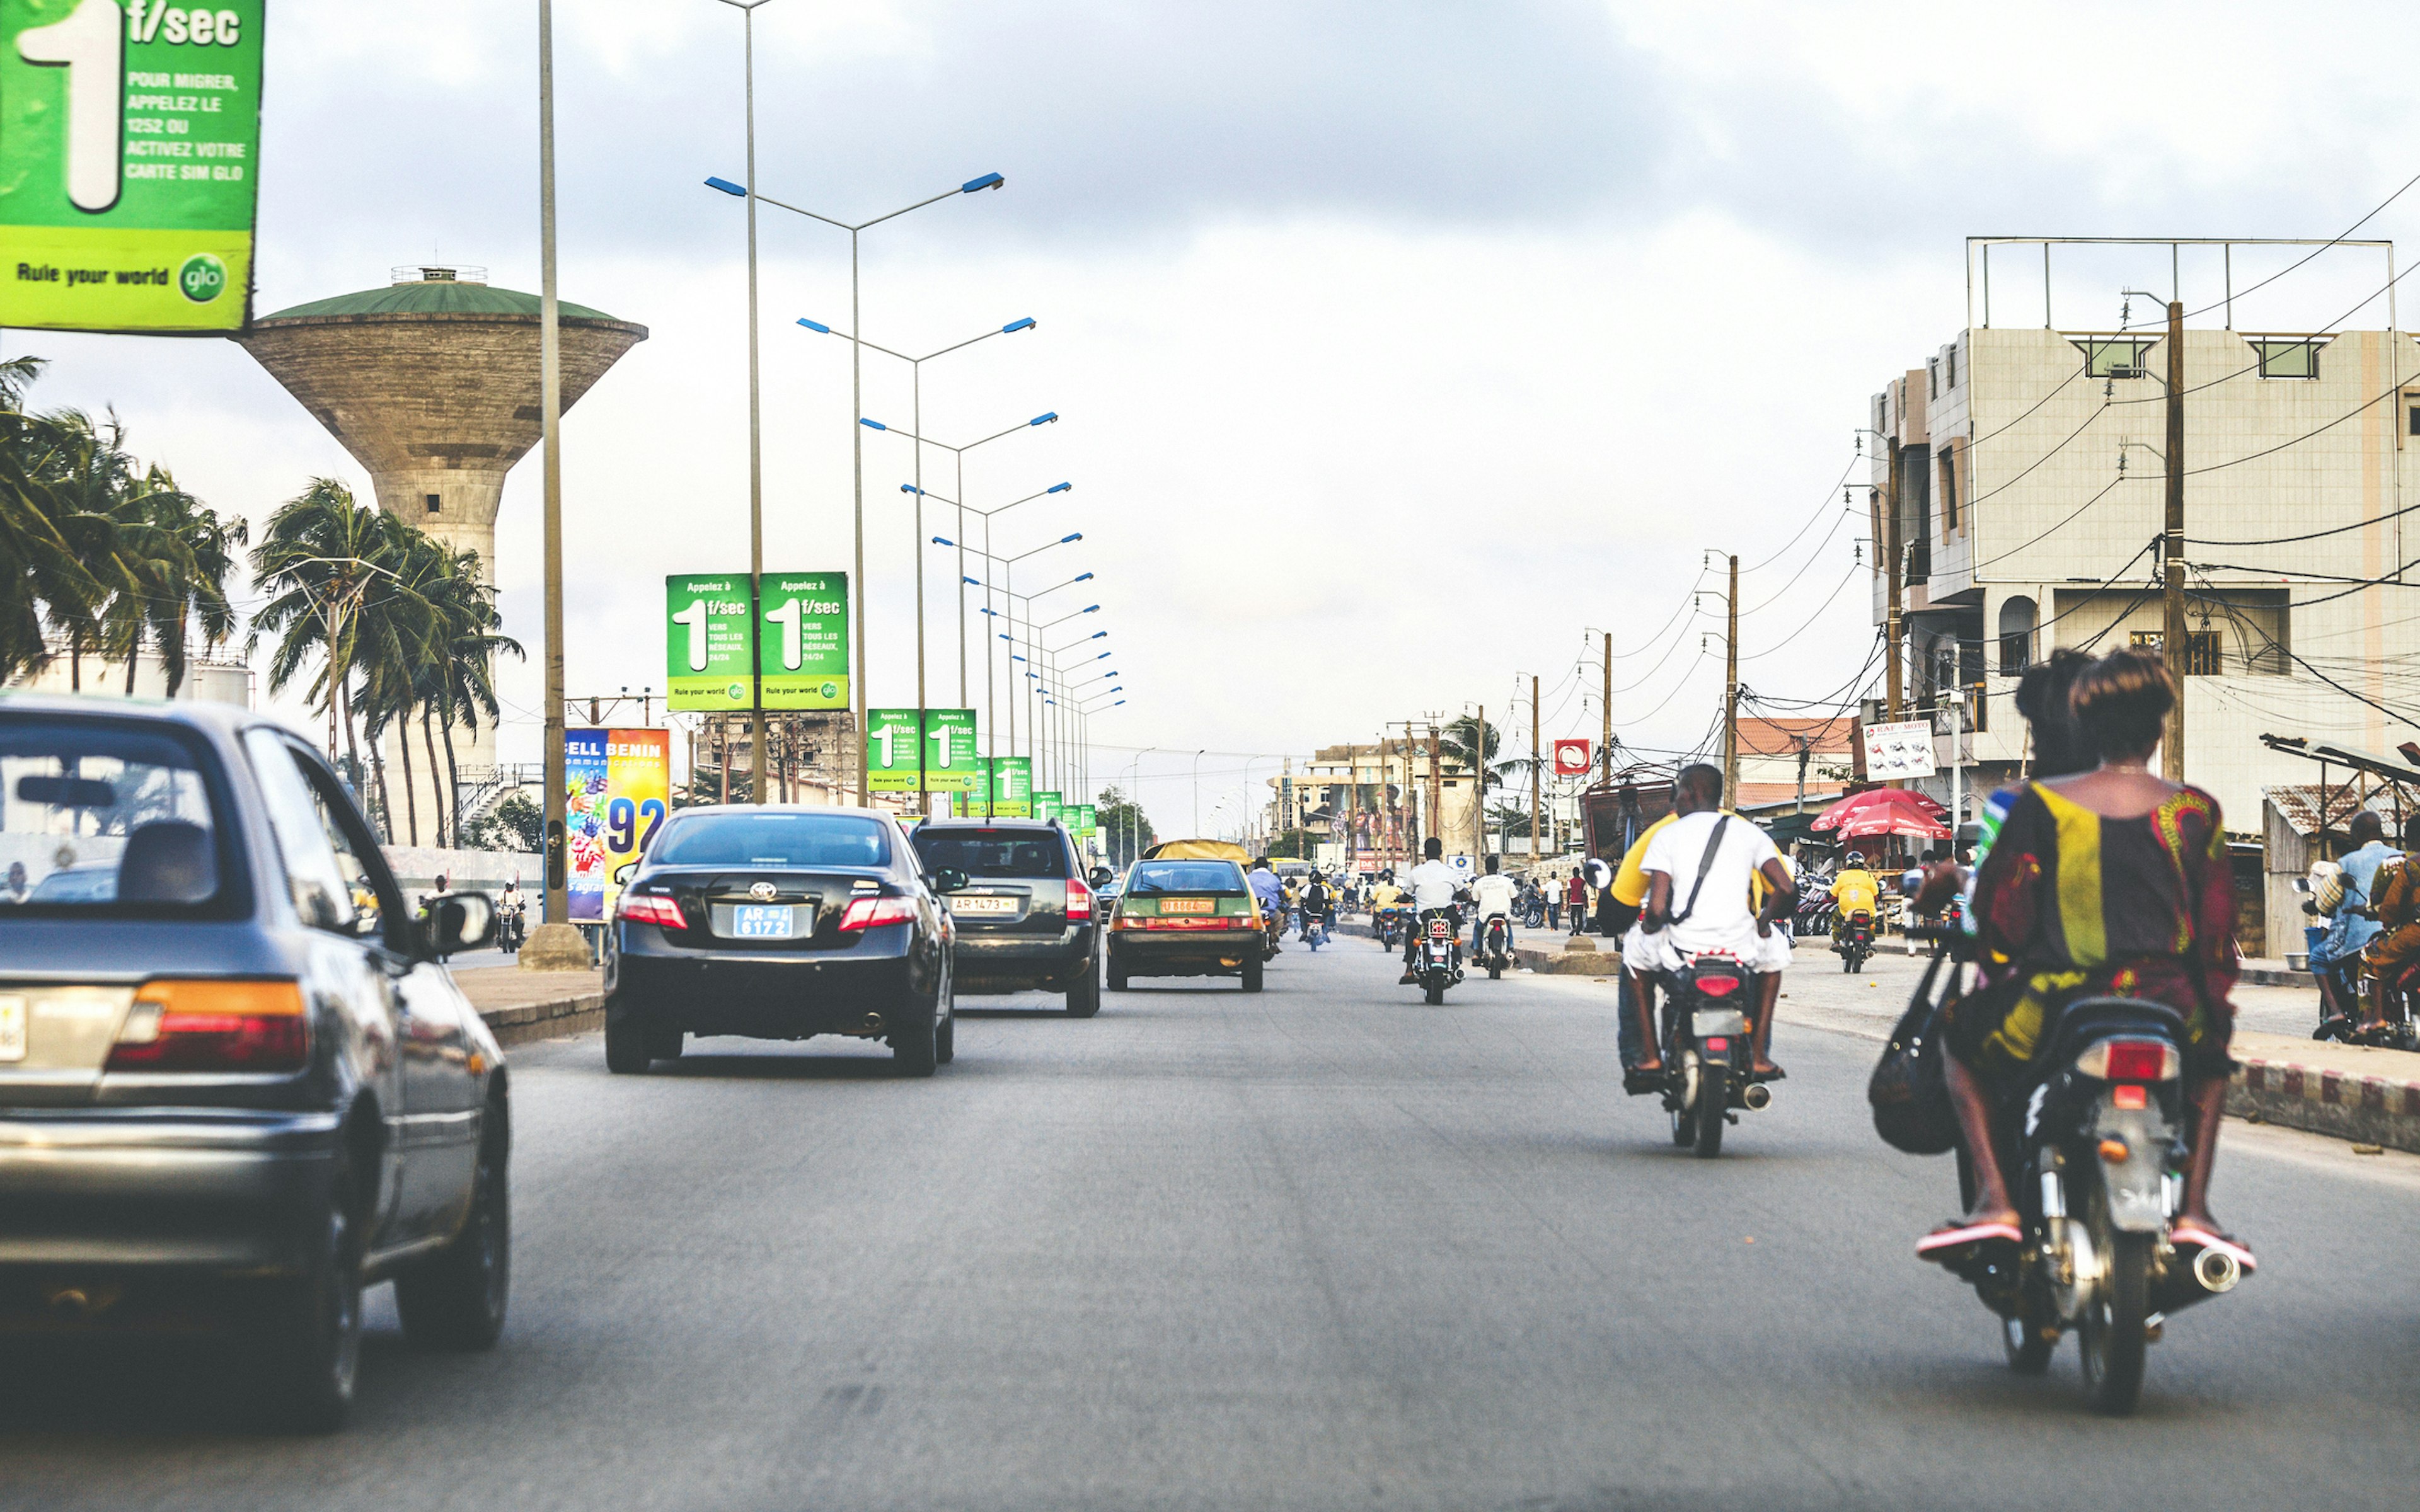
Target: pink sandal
column 1958, row 1235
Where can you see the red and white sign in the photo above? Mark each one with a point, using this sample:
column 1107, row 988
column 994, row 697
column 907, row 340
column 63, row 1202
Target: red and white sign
column 1570, row 758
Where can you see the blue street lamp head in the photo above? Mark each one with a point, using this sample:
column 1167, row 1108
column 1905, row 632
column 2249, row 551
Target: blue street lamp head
column 1014, row 326
column 872, row 424
column 1044, row 420
column 989, row 180
column 943, row 540
column 814, row 325
column 1058, row 488
column 909, row 487
column 1098, row 634
column 727, row 187
column 1014, row 658
column 1119, row 704
column 1065, row 539
column 971, row 582
column 1105, row 656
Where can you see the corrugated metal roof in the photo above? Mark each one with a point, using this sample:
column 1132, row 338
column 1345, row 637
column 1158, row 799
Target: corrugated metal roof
column 2299, row 804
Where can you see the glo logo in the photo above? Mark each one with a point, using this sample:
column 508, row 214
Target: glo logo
column 736, row 692
column 832, row 690
column 203, row 278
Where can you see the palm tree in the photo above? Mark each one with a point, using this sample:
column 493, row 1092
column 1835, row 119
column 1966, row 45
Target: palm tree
column 46, row 543
column 467, row 659
column 322, row 560
column 1460, row 745
column 173, row 556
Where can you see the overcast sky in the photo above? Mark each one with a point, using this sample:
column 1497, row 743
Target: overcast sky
column 1400, row 346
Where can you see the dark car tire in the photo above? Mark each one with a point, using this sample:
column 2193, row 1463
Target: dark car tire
column 945, row 1037
column 665, row 1042
column 627, row 1051
column 1252, row 975
column 916, row 1050
column 1084, row 991
column 455, row 1301
column 310, row 1347
column 1117, row 974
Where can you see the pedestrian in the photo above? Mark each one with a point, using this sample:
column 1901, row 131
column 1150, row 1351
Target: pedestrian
column 1554, row 906
column 1575, row 902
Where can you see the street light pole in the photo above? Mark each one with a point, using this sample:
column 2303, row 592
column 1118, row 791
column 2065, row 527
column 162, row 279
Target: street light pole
column 755, row 430
column 557, row 908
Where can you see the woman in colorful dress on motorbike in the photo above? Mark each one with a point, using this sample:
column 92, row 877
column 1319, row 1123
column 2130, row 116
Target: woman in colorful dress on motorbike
column 2106, row 882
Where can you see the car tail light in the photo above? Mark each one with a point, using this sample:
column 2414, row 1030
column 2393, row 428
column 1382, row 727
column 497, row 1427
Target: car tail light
column 1717, row 986
column 872, row 913
column 2132, row 1060
column 1080, row 901
column 652, row 908
column 214, row 1026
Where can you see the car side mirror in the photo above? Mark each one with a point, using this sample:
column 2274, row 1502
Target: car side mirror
column 623, row 873
column 456, row 921
column 948, row 879
column 1103, row 876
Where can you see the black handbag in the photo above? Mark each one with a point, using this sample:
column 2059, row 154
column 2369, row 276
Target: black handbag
column 1909, row 1089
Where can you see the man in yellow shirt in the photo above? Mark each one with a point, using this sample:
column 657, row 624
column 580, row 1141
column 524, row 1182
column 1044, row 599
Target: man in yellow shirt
column 1635, row 985
column 1854, row 890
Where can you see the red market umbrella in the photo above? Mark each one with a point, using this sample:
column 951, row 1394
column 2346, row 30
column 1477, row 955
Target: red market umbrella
column 1884, row 812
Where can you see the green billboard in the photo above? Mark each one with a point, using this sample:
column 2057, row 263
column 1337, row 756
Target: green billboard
column 1047, row 806
column 1082, row 818
column 950, row 764
column 129, row 158
column 708, row 653
column 1010, row 783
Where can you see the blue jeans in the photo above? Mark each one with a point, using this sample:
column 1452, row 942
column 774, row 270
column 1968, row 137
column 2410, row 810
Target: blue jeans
column 1626, row 1039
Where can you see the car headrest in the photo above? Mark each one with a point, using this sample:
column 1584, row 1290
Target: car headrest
column 168, row 861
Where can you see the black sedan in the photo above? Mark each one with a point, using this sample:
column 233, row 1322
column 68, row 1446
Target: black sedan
column 237, row 1086
column 779, row 922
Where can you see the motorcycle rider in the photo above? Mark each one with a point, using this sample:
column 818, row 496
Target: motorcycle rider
column 510, row 907
column 1318, row 909
column 1266, row 889
column 1492, row 896
column 1434, row 885
column 1686, row 916
column 1855, row 890
column 2395, row 904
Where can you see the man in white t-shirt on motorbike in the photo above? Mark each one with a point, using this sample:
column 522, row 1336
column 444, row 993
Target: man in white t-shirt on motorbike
column 1432, row 885
column 1491, row 897
column 1701, row 872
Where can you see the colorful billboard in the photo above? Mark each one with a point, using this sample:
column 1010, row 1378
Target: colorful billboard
column 708, row 655
column 1047, row 806
column 618, row 789
column 129, row 164
column 948, row 744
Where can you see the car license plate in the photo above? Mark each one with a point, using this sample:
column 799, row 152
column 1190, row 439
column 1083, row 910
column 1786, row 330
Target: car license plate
column 761, row 921
column 1186, row 905
column 13, row 1028
column 982, row 906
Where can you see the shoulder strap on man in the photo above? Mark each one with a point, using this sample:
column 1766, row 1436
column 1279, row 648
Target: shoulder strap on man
column 1705, row 864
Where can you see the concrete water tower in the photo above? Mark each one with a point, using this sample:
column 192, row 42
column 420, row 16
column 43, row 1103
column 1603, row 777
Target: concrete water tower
column 432, row 385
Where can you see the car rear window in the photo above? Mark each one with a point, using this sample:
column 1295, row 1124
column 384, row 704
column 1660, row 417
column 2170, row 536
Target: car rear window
column 771, row 839
column 1184, row 876
column 98, row 816
column 1023, row 855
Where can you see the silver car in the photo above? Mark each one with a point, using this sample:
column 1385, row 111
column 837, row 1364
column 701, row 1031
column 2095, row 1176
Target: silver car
column 237, row 1083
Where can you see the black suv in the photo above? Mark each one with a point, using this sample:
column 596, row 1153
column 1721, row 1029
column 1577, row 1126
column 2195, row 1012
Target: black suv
column 1025, row 917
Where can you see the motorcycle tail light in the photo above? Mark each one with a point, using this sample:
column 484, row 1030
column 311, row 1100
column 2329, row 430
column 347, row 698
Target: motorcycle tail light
column 214, row 1026
column 1718, row 1045
column 1080, row 901
column 872, row 913
column 1717, row 986
column 2133, row 1095
column 652, row 908
column 2130, row 1061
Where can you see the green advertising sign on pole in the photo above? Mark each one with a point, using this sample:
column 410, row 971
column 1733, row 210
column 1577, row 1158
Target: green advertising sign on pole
column 1046, row 806
column 806, row 639
column 706, row 661
column 1011, row 787
column 949, row 764
column 129, row 164
column 1085, row 821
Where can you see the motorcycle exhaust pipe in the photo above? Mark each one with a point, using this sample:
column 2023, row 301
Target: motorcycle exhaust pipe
column 2217, row 1270
column 874, row 1024
column 1756, row 1095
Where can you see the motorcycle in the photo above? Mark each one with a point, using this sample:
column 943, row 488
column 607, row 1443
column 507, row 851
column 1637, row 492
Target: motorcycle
column 1273, row 927
column 2354, row 981
column 1708, row 1057
column 2095, row 1157
column 1312, row 931
column 1856, row 941
column 1494, row 946
column 1389, row 921
column 1437, row 961
column 512, row 926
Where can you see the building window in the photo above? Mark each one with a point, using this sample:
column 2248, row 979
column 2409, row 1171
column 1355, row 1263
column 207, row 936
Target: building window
column 1932, row 378
column 2201, row 658
column 1951, row 357
column 2414, row 421
column 1948, row 490
column 2019, row 618
column 436, row 503
column 2114, row 357
column 2290, row 358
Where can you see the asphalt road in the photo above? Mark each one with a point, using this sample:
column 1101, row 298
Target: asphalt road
column 1325, row 1247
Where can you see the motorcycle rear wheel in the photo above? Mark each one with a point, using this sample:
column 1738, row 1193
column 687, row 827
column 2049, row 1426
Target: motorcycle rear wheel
column 2113, row 1338
column 2030, row 1337
column 1436, row 991
column 1714, row 1092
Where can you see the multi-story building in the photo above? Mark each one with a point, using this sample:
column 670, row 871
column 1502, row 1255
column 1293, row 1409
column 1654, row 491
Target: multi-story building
column 2025, row 464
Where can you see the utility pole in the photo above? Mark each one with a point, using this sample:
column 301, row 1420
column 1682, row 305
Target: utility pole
column 1436, row 782
column 2172, row 637
column 1537, row 773
column 1730, row 698
column 1479, row 794
column 1604, row 747
column 1892, row 629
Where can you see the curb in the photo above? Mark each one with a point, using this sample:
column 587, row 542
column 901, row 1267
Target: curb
column 525, row 1022
column 2374, row 1110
